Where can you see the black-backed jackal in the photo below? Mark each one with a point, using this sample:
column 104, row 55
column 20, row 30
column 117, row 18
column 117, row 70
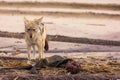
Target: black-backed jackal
column 35, row 35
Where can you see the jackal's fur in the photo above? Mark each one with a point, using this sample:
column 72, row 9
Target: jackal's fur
column 35, row 35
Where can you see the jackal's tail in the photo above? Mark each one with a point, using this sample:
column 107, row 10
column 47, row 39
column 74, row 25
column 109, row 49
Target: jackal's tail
column 46, row 44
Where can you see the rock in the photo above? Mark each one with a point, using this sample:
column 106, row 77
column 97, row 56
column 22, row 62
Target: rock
column 33, row 70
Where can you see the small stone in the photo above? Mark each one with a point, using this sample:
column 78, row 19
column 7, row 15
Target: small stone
column 33, row 70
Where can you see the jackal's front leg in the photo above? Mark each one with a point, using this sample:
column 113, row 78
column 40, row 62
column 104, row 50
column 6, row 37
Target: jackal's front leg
column 34, row 51
column 40, row 49
column 29, row 51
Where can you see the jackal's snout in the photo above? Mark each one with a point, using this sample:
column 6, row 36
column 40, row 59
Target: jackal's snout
column 30, row 35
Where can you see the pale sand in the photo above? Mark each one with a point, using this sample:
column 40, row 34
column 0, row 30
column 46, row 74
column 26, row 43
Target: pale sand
column 71, row 50
column 74, row 27
column 71, row 1
column 88, row 27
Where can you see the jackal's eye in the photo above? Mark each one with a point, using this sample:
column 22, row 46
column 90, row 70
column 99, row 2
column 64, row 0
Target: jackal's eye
column 34, row 29
column 28, row 29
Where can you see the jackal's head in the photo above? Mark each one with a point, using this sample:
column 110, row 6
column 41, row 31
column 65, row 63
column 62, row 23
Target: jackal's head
column 32, row 27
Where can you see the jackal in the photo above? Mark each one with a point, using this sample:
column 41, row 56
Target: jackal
column 35, row 35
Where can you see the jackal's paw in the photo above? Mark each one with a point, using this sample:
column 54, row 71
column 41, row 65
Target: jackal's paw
column 39, row 58
column 29, row 62
column 42, row 57
column 33, row 58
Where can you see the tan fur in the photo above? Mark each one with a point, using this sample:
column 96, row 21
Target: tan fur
column 35, row 35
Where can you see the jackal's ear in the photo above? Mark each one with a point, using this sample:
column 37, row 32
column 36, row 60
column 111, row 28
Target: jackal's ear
column 26, row 20
column 37, row 21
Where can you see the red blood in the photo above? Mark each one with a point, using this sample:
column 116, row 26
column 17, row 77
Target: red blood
column 73, row 67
